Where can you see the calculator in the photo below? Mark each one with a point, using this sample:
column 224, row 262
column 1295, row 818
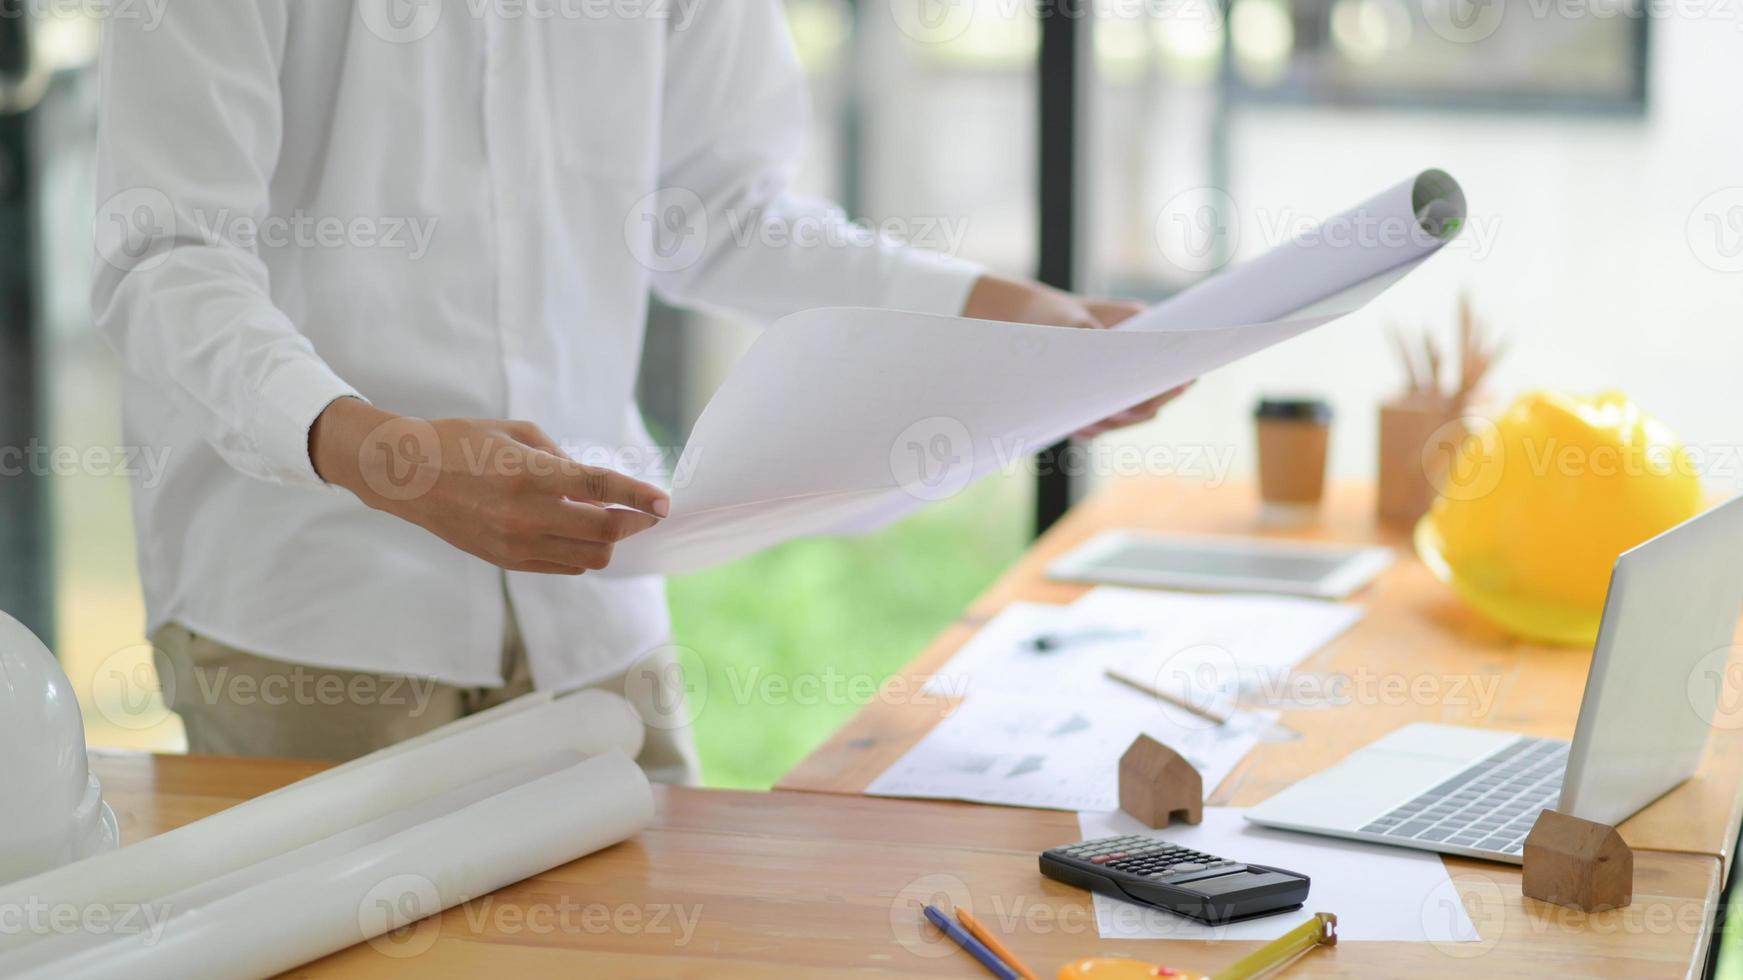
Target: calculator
column 1176, row 879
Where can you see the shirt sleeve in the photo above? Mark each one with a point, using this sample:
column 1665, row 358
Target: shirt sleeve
column 188, row 135
column 728, row 230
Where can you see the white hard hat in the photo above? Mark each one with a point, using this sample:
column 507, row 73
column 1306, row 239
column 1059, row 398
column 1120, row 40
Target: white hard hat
column 52, row 811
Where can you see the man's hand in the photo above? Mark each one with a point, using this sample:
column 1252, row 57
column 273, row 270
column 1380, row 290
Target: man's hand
column 995, row 298
column 503, row 491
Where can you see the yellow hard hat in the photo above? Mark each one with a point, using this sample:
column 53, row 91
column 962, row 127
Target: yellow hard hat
column 1535, row 506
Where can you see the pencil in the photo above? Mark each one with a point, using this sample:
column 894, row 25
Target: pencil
column 971, row 945
column 985, row 935
column 1209, row 714
column 1321, row 930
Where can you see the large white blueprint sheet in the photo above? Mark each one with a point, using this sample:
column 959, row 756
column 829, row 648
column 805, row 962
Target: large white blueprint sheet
column 839, row 419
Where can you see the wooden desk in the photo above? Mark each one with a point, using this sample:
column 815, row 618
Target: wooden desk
column 733, row 884
column 1419, row 654
column 814, row 880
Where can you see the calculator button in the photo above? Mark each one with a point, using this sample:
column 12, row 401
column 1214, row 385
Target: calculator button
column 1100, row 859
column 1188, row 866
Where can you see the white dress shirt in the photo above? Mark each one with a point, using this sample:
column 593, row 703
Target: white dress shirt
column 449, row 208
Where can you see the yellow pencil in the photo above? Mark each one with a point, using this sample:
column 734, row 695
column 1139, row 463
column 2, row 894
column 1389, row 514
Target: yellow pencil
column 1321, row 930
column 991, row 942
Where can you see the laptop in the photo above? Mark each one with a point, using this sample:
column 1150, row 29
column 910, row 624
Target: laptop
column 1657, row 673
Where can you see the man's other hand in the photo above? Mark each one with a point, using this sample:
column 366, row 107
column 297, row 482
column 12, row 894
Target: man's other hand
column 503, row 491
column 996, row 298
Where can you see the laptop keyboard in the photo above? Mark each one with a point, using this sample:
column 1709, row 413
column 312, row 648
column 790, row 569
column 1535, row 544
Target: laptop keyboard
column 1490, row 806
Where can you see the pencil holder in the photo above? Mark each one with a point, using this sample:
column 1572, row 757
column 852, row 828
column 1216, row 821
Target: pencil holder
column 1417, row 437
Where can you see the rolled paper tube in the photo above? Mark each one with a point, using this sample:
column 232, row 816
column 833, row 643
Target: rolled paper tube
column 460, row 726
column 58, row 945
column 1335, row 268
column 290, row 919
column 588, row 723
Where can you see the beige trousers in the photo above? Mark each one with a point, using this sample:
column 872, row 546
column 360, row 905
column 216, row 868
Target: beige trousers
column 237, row 703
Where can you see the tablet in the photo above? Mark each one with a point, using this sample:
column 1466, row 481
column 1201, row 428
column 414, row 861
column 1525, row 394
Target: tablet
column 1221, row 564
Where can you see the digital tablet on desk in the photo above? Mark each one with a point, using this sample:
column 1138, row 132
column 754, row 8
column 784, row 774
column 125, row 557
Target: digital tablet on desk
column 1221, row 564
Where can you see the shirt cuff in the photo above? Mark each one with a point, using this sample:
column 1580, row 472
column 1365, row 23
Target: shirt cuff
column 293, row 397
column 930, row 282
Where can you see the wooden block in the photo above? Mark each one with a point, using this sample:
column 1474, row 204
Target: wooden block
column 1157, row 784
column 1577, row 863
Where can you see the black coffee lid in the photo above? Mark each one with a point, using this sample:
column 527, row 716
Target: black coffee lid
column 1295, row 410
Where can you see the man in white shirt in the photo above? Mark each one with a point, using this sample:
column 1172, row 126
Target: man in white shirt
column 341, row 243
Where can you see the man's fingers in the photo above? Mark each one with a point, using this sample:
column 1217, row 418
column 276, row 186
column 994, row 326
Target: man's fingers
column 585, row 522
column 593, row 484
column 1112, row 312
column 588, row 556
column 546, row 568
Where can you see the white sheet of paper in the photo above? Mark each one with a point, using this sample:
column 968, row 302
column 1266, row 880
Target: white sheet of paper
column 1378, row 893
column 841, row 419
column 1052, row 752
column 1214, row 650
column 1217, row 651
column 1002, row 655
